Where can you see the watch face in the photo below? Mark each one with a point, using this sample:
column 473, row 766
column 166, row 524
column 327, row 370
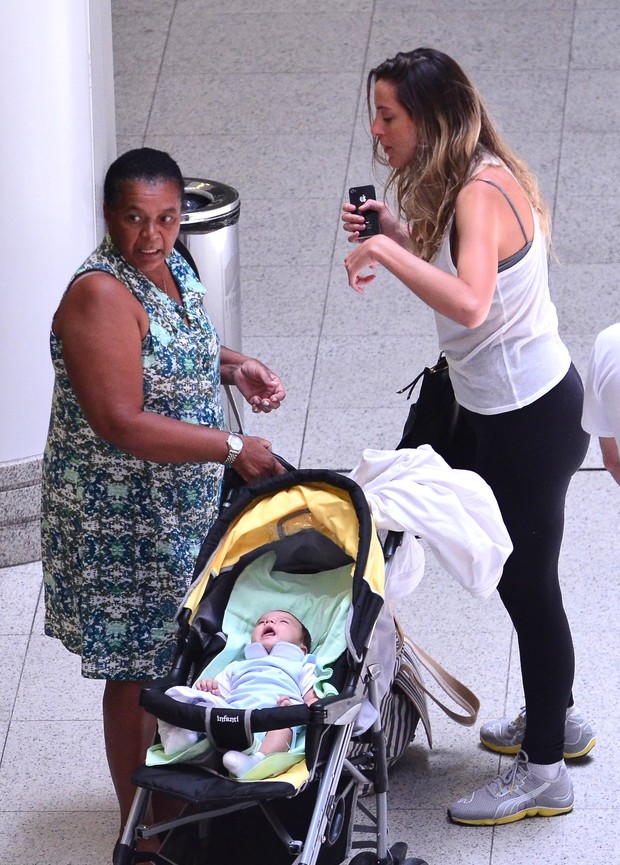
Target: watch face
column 235, row 446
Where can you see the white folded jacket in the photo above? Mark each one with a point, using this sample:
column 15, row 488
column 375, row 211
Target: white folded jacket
column 415, row 491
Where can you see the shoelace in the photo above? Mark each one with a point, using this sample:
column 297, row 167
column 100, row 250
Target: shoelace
column 518, row 724
column 516, row 772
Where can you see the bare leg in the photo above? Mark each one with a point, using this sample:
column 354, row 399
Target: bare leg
column 128, row 731
column 276, row 742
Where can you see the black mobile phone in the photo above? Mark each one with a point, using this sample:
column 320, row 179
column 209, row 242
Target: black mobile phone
column 358, row 195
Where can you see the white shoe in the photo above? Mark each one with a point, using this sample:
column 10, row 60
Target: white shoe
column 239, row 764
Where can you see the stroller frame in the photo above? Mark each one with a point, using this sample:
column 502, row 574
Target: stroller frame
column 330, row 724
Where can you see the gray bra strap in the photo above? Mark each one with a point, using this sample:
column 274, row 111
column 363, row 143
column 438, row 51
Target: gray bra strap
column 509, row 200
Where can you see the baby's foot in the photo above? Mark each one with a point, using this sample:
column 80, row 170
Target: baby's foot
column 239, row 764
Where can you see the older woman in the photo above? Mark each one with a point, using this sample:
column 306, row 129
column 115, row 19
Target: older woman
column 136, row 448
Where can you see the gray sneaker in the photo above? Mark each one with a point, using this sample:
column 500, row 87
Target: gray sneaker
column 516, row 794
column 505, row 736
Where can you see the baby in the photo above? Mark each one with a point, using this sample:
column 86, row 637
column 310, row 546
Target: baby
column 277, row 671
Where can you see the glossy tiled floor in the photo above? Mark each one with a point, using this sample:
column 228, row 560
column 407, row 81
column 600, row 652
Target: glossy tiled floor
column 269, row 98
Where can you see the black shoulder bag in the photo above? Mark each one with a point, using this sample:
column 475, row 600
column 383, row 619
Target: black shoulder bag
column 437, row 419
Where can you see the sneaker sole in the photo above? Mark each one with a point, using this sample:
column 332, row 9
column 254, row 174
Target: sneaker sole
column 574, row 754
column 514, row 749
column 512, row 818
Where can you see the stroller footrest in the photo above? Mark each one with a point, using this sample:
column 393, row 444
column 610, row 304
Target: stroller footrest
column 201, row 786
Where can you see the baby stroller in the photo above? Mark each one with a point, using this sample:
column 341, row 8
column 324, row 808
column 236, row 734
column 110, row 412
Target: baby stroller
column 304, row 542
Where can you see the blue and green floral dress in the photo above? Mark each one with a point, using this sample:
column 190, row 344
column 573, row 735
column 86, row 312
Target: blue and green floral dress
column 120, row 535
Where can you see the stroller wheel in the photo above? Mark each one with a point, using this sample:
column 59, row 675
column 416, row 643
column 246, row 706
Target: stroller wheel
column 366, row 857
column 337, row 822
column 397, row 853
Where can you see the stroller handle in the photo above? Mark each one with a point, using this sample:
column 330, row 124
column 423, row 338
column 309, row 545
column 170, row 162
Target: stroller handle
column 391, row 543
column 197, row 718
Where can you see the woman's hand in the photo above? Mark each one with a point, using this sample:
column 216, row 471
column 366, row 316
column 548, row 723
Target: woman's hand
column 256, row 461
column 354, row 223
column 361, row 258
column 261, row 387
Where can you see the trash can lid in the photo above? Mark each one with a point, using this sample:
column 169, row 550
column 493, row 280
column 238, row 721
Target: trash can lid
column 207, row 200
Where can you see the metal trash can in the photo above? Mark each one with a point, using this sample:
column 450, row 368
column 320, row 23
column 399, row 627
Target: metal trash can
column 210, row 232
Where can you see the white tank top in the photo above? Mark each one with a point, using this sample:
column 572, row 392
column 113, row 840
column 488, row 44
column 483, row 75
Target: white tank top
column 516, row 354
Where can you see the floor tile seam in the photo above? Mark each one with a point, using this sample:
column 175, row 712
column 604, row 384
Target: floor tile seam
column 158, row 76
column 257, row 270
column 361, row 90
column 86, row 718
column 30, row 635
column 267, row 136
column 399, row 810
column 241, row 74
column 491, row 851
column 595, row 67
column 563, row 125
column 521, row 69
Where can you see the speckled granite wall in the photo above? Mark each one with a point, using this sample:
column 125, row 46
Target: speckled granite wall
column 20, row 511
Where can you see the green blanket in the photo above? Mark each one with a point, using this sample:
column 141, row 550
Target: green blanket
column 321, row 601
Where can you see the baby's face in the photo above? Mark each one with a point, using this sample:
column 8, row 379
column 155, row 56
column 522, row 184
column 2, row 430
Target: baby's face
column 277, row 625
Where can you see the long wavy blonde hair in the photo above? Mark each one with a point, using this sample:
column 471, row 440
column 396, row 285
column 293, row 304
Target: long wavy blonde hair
column 454, row 132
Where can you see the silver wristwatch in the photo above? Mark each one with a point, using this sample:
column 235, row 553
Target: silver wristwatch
column 235, row 446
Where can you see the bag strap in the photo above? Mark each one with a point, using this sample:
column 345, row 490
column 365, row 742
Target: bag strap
column 408, row 680
column 234, row 407
column 459, row 692
column 440, row 366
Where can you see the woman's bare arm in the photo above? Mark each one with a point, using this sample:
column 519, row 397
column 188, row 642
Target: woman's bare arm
column 465, row 298
column 101, row 327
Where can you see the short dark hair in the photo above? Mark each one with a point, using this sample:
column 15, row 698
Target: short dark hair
column 305, row 636
column 143, row 163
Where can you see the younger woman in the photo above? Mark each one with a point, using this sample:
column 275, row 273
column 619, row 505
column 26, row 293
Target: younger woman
column 473, row 246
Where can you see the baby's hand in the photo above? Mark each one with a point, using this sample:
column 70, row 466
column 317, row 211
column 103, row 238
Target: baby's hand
column 209, row 685
column 283, row 700
column 310, row 697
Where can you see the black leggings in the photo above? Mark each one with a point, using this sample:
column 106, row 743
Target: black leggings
column 528, row 457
